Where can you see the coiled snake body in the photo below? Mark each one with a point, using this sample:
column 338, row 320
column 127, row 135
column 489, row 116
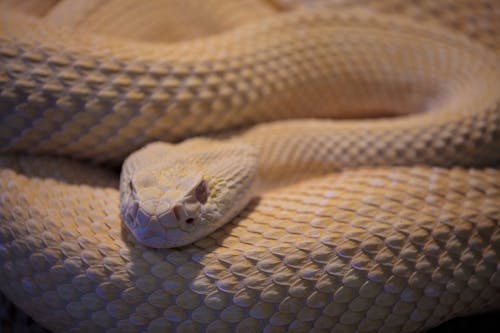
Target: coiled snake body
column 408, row 238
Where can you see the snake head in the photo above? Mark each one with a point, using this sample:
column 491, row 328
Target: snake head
column 175, row 202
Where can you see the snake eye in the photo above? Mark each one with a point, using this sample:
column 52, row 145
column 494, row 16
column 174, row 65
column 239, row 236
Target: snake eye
column 201, row 192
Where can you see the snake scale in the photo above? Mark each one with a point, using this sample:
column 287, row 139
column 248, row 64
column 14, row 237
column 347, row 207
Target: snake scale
column 384, row 224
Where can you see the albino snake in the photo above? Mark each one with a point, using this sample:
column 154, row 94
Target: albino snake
column 407, row 239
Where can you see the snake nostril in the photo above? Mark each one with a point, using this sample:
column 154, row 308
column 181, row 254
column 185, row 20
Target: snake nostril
column 189, row 220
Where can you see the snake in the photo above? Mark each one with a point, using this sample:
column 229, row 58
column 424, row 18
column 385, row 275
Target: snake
column 231, row 213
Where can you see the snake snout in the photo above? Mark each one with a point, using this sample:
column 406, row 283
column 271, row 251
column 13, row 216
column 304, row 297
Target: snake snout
column 169, row 217
column 157, row 228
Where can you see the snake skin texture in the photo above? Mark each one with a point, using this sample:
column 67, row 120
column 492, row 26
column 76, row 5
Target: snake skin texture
column 90, row 97
column 147, row 21
column 479, row 20
column 391, row 249
column 385, row 249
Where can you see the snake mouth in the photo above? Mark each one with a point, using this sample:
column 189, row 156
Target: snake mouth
column 176, row 217
column 153, row 234
column 150, row 230
column 162, row 225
